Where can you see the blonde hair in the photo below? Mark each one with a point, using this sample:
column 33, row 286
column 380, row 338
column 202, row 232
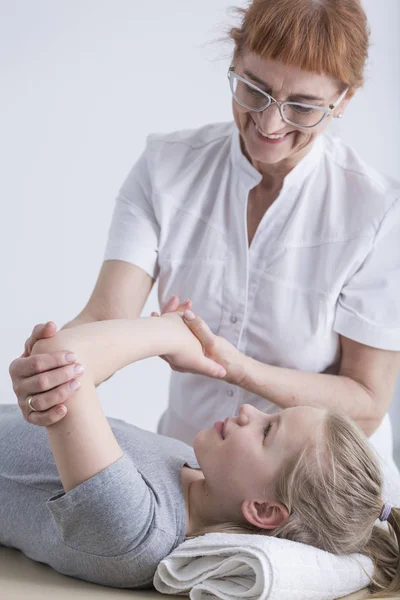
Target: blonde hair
column 332, row 490
column 321, row 36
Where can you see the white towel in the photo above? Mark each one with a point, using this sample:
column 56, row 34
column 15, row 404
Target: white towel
column 256, row 567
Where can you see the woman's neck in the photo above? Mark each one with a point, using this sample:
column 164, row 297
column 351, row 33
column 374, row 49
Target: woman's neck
column 273, row 175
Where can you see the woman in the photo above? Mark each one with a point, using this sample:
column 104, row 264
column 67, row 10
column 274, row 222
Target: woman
column 281, row 235
column 125, row 498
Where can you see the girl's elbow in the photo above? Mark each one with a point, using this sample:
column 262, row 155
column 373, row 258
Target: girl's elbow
column 56, row 343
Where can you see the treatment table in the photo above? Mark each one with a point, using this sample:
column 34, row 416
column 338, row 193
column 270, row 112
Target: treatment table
column 23, row 579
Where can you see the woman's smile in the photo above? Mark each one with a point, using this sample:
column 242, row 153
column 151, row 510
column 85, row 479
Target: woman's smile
column 270, row 140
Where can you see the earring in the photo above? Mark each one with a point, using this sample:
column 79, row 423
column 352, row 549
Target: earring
column 340, row 115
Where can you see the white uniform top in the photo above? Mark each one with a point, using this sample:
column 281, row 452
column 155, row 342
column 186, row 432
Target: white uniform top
column 325, row 259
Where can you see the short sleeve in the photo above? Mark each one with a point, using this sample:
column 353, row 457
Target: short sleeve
column 368, row 309
column 134, row 232
column 109, row 514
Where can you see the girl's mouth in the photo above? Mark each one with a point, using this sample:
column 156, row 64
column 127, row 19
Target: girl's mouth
column 219, row 426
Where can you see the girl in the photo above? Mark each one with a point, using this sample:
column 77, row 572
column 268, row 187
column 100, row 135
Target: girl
column 110, row 501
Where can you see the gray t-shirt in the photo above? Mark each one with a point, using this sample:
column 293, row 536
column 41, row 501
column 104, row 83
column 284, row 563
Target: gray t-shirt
column 114, row 528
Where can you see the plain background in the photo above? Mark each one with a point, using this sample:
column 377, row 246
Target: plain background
column 83, row 82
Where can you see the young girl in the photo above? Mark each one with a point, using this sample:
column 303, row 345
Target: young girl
column 110, row 501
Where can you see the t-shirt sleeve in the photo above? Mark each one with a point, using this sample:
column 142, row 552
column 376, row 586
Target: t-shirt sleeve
column 368, row 309
column 109, row 514
column 134, row 232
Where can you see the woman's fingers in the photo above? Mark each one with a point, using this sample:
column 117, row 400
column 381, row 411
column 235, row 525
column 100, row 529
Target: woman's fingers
column 48, row 380
column 184, row 306
column 40, row 377
column 43, row 330
column 171, row 305
column 174, row 305
column 48, row 406
column 39, row 363
column 212, row 369
column 198, row 327
column 42, row 402
column 49, row 417
column 173, row 367
column 207, row 367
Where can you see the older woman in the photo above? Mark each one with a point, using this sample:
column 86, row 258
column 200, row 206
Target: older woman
column 285, row 241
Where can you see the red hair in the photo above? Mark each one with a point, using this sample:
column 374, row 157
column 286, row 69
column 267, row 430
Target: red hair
column 328, row 37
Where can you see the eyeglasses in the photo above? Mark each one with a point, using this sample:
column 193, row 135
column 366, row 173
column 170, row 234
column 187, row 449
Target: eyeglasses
column 295, row 113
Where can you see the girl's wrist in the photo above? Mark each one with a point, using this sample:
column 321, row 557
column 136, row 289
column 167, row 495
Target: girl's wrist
column 170, row 339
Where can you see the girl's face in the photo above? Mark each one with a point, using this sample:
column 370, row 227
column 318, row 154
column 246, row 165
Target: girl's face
column 242, row 459
column 282, row 82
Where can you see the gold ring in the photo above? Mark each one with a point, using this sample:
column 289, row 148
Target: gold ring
column 30, row 405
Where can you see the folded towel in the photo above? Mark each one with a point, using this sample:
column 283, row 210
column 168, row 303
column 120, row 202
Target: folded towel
column 256, row 567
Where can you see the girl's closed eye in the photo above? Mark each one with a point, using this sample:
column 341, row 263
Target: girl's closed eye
column 266, row 430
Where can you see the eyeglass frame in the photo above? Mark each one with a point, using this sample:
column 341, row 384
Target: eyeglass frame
column 327, row 111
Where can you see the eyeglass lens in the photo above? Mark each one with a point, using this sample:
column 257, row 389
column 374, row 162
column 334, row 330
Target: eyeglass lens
column 292, row 111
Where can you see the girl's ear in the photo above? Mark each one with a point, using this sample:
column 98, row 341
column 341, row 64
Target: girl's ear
column 264, row 514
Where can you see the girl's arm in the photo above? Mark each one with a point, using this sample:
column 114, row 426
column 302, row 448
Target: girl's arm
column 83, row 443
column 362, row 389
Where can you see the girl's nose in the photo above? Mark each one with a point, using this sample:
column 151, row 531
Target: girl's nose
column 246, row 411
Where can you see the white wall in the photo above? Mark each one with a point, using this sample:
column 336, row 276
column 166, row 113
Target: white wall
column 82, row 84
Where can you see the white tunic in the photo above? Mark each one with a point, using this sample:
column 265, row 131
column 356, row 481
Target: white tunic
column 325, row 259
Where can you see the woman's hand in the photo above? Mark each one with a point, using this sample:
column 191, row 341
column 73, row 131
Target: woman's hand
column 45, row 378
column 188, row 356
column 217, row 348
column 214, row 347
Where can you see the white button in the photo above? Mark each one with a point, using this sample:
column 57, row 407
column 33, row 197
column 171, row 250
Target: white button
column 230, row 392
column 233, row 319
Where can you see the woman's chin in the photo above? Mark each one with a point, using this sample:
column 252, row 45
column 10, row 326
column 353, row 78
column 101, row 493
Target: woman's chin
column 270, row 154
column 268, row 157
